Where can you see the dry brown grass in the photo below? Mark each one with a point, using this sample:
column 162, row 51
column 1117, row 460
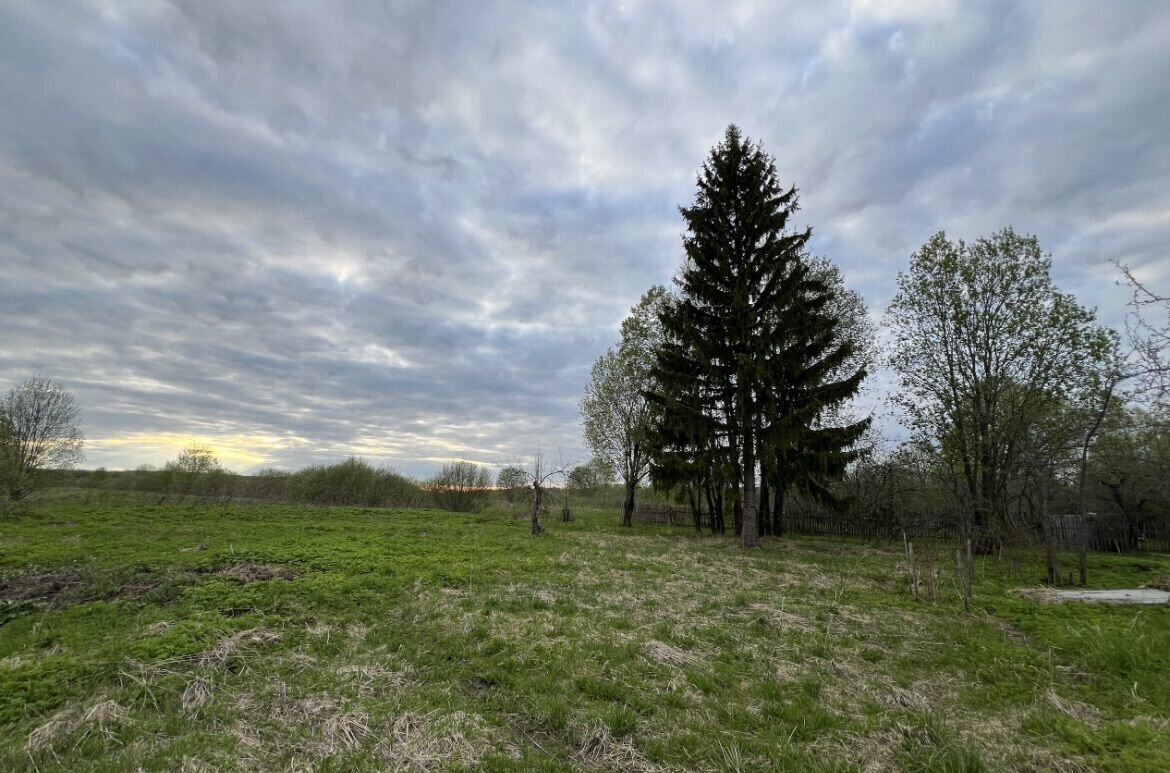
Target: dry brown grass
column 433, row 741
column 664, row 653
column 159, row 628
column 196, row 695
column 192, row 765
column 345, row 732
column 103, row 715
column 373, row 679
column 249, row 572
column 47, row 734
column 598, row 749
column 1081, row 712
column 218, row 656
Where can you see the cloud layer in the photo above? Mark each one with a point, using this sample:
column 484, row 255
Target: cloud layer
column 305, row 230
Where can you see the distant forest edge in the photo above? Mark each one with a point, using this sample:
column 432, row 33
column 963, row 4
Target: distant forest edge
column 881, row 499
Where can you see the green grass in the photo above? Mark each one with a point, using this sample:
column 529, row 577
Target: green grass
column 280, row 637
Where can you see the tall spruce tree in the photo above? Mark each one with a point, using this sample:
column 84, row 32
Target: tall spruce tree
column 751, row 355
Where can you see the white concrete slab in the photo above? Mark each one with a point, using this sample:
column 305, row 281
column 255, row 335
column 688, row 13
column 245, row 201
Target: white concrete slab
column 1123, row 596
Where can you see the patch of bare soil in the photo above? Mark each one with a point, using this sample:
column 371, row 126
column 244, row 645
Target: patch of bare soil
column 42, row 586
column 62, row 587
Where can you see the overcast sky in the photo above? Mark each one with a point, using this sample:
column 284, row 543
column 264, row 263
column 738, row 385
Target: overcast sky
column 297, row 231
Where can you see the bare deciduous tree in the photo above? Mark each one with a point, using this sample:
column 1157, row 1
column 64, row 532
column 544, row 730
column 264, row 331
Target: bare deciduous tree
column 538, row 474
column 1149, row 337
column 38, row 431
column 461, row 487
column 189, row 467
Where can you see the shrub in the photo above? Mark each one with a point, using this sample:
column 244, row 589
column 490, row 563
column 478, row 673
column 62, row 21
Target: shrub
column 513, row 483
column 269, row 483
column 461, row 487
column 188, row 470
column 352, row 482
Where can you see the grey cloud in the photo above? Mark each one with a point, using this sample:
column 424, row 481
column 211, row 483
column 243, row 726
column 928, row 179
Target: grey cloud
column 407, row 230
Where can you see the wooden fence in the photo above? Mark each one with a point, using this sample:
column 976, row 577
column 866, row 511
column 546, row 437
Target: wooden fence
column 665, row 514
column 1106, row 533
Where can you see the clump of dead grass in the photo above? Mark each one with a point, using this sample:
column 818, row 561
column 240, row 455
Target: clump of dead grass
column 249, row 572
column 1082, row 712
column 431, row 741
column 192, row 765
column 346, row 732
column 196, row 694
column 61, row 724
column 598, row 749
column 103, row 717
column 371, row 678
column 319, row 629
column 218, row 656
column 898, row 698
column 665, row 653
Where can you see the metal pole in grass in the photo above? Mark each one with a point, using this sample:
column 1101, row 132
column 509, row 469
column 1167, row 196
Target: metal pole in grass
column 910, row 568
column 966, row 572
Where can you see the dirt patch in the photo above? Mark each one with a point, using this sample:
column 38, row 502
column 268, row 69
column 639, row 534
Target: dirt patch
column 1122, row 596
column 44, row 586
column 59, row 588
column 249, row 572
column 28, row 591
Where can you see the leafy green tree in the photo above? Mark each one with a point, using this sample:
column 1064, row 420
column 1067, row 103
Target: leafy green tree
column 1129, row 469
column 984, row 345
column 38, row 431
column 615, row 412
column 590, row 477
column 746, row 370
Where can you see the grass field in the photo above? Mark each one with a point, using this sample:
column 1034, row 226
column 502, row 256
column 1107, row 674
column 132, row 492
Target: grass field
column 266, row 637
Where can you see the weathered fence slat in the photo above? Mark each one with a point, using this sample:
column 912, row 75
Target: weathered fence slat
column 1105, row 533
